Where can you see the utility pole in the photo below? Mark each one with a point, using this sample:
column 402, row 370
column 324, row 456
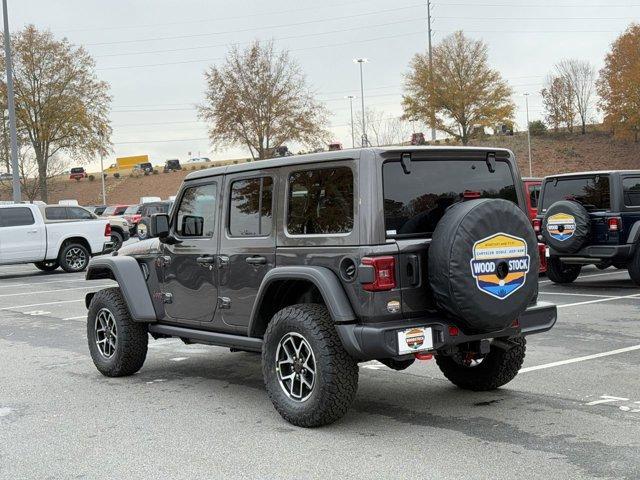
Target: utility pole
column 353, row 136
column 365, row 141
column 104, row 193
column 526, row 101
column 433, row 113
column 17, row 195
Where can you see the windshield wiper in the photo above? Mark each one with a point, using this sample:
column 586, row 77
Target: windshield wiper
column 491, row 162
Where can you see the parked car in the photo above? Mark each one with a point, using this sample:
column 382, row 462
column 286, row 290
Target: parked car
column 198, row 160
column 322, row 261
column 172, row 165
column 591, row 218
column 146, row 211
column 532, row 188
column 77, row 173
column 115, row 210
column 144, row 168
column 96, row 209
column 51, row 236
column 119, row 226
column 132, row 216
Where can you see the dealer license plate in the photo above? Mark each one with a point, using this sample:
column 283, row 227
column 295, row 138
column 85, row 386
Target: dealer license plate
column 416, row 339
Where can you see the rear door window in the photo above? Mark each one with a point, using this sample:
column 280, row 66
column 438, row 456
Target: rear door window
column 56, row 213
column 77, row 213
column 591, row 192
column 16, row 217
column 631, row 189
column 250, row 209
column 414, row 203
column 320, row 202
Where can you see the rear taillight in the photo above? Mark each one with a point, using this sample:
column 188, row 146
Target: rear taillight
column 107, row 230
column 614, row 223
column 537, row 225
column 384, row 276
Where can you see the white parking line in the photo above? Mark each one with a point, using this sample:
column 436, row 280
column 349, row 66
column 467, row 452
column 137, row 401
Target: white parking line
column 41, row 304
column 53, row 291
column 600, row 300
column 589, row 276
column 580, row 359
column 76, row 318
column 9, row 285
column 576, row 294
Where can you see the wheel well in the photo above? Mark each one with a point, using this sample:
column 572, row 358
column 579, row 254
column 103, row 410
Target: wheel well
column 117, row 229
column 99, row 273
column 80, row 240
column 280, row 294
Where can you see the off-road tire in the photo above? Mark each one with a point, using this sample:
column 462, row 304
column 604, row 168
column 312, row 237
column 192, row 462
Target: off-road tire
column 47, row 266
column 117, row 239
column 336, row 379
column 64, row 261
column 497, row 368
column 558, row 272
column 634, row 267
column 132, row 337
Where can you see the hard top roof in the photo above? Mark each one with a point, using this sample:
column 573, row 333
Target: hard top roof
column 594, row 172
column 330, row 156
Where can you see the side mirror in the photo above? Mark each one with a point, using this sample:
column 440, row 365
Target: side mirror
column 159, row 225
column 192, row 226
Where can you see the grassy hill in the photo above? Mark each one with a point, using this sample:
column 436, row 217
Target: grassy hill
column 551, row 153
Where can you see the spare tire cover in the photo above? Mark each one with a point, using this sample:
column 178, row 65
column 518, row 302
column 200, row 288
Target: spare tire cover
column 483, row 264
column 566, row 226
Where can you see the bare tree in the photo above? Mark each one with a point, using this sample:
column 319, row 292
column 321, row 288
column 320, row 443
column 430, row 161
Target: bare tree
column 260, row 99
column 581, row 76
column 557, row 99
column 382, row 129
column 61, row 105
column 29, row 173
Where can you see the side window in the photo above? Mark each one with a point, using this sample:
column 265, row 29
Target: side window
column 250, row 207
column 77, row 213
column 196, row 215
column 320, row 201
column 16, row 217
column 631, row 189
column 56, row 213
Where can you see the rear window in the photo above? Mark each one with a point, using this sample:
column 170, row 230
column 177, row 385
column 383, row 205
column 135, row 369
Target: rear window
column 320, row 202
column 77, row 170
column 591, row 192
column 158, row 208
column 631, row 188
column 16, row 217
column 414, row 203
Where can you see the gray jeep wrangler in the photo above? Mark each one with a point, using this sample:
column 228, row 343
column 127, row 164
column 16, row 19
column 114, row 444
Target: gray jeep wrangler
column 322, row 261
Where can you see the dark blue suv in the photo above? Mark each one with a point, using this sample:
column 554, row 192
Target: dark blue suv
column 590, row 218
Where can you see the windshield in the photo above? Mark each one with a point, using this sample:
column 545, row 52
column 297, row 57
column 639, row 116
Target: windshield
column 414, row 203
column 132, row 210
column 109, row 211
column 591, row 192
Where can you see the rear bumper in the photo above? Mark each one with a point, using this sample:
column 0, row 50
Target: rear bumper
column 380, row 340
column 595, row 253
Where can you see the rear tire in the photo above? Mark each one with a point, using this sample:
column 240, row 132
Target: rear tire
column 47, row 266
column 559, row 272
column 117, row 239
column 634, row 267
column 301, row 343
column 496, row 369
column 121, row 348
column 74, row 257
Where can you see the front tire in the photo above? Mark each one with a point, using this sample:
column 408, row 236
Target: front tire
column 559, row 272
column 495, row 369
column 311, row 380
column 74, row 257
column 47, row 265
column 117, row 344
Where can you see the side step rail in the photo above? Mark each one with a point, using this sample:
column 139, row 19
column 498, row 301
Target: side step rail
column 210, row 338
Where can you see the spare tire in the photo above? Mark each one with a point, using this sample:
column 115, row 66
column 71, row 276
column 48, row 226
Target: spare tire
column 566, row 226
column 483, row 264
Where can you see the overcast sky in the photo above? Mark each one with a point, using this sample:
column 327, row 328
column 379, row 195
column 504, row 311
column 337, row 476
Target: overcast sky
column 154, row 52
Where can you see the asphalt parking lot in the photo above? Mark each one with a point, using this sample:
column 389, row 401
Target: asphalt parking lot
column 202, row 412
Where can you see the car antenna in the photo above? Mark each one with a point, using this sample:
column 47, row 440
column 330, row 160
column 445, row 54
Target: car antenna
column 491, row 162
column 405, row 160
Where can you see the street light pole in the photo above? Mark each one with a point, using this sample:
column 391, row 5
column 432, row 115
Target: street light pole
column 353, row 137
column 433, row 113
column 104, row 193
column 361, row 61
column 17, row 194
column 526, row 101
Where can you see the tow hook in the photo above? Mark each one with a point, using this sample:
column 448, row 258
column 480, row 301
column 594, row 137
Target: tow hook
column 423, row 356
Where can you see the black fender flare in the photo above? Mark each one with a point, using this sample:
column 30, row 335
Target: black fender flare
column 324, row 279
column 634, row 234
column 127, row 272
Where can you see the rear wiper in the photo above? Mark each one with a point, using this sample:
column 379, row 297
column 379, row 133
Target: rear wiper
column 491, row 162
column 405, row 161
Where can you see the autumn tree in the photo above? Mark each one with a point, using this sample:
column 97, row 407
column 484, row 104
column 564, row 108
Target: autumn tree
column 619, row 85
column 259, row 98
column 462, row 90
column 557, row 100
column 61, row 106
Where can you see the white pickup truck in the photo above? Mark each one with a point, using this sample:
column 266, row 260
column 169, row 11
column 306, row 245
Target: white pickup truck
column 50, row 238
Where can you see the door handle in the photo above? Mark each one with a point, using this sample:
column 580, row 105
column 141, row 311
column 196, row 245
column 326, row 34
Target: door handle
column 205, row 260
column 32, row 231
column 223, row 261
column 256, row 260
